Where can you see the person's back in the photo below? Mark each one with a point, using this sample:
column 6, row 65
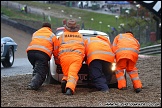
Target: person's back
column 126, row 46
column 99, row 48
column 99, row 56
column 41, row 42
column 71, row 41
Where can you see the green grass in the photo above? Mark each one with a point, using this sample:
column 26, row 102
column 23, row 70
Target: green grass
column 19, row 15
column 85, row 16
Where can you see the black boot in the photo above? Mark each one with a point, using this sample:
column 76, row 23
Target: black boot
column 36, row 82
column 31, row 86
column 138, row 90
column 63, row 85
column 69, row 91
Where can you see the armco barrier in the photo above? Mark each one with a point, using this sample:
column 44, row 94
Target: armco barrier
column 154, row 49
column 15, row 24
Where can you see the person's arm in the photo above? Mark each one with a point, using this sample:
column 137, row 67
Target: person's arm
column 56, row 51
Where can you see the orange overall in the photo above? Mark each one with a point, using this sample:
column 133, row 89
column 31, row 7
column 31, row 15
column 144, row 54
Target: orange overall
column 126, row 49
column 71, row 55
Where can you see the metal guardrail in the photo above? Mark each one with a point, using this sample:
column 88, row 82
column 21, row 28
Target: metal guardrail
column 154, row 49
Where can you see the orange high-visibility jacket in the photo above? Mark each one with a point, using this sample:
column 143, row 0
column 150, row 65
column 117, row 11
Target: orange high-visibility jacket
column 42, row 40
column 71, row 43
column 98, row 48
column 126, row 46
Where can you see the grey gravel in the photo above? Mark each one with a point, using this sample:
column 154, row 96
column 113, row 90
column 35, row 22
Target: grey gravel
column 15, row 94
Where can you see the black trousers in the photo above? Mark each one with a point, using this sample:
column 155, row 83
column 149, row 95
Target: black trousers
column 100, row 73
column 39, row 61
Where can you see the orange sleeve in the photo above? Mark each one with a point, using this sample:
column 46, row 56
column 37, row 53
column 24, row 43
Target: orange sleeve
column 56, row 51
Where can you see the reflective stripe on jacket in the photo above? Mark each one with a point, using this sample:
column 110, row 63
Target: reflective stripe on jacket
column 42, row 40
column 126, row 46
column 71, row 42
column 98, row 48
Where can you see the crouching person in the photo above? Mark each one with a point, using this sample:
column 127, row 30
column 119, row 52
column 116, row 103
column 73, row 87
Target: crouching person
column 39, row 52
column 126, row 49
column 99, row 57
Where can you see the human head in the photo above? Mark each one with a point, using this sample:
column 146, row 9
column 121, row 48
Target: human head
column 72, row 26
column 129, row 32
column 46, row 24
